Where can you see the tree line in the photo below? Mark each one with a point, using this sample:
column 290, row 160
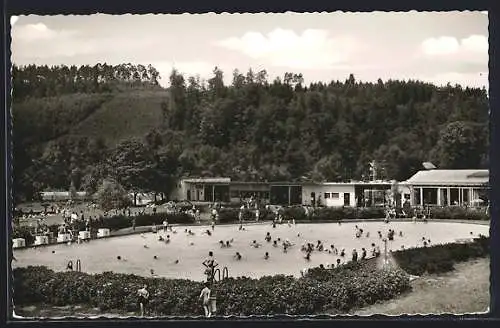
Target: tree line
column 43, row 81
column 280, row 130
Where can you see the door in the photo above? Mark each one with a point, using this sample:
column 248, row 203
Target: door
column 347, row 199
column 313, row 199
column 189, row 195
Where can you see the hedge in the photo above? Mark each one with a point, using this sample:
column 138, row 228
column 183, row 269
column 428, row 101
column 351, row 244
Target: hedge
column 334, row 214
column 459, row 213
column 340, row 289
column 440, row 258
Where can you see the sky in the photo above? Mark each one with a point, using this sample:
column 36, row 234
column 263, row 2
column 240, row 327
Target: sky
column 436, row 47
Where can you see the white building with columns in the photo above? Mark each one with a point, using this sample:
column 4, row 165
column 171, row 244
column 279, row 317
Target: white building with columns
column 449, row 187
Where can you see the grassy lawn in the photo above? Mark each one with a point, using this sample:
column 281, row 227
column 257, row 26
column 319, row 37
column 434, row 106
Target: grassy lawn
column 464, row 290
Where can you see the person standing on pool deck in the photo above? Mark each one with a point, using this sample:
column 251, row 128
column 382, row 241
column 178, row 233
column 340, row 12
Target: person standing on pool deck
column 143, row 298
column 205, row 297
column 210, row 264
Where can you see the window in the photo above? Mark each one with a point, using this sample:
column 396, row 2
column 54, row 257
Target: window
column 235, row 194
column 335, row 195
column 327, row 195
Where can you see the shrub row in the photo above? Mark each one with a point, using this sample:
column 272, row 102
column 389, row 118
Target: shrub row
column 299, row 213
column 459, row 213
column 339, row 289
column 440, row 258
column 334, row 214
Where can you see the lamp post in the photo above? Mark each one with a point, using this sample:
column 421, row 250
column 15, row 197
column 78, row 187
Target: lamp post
column 386, row 260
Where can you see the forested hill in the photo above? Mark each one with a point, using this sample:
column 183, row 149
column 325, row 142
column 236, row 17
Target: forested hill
column 77, row 126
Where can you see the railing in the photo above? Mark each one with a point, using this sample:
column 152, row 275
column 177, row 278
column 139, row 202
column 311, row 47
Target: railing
column 78, row 265
column 225, row 274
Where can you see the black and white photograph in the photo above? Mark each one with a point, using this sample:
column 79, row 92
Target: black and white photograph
column 212, row 166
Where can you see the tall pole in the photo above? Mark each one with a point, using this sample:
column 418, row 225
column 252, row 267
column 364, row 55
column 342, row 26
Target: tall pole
column 385, row 252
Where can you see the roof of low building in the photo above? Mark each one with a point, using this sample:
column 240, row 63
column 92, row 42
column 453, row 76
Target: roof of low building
column 207, row 180
column 450, row 177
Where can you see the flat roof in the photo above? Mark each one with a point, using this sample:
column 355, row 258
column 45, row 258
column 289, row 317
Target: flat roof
column 450, row 177
column 207, row 180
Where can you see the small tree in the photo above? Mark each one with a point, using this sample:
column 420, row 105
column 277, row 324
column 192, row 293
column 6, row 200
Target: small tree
column 111, row 195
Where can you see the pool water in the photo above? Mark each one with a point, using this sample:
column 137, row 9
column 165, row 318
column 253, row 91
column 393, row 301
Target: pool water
column 190, row 251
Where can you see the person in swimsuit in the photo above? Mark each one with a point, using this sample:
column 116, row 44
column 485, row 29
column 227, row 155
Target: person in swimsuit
column 205, row 297
column 143, row 298
column 210, row 265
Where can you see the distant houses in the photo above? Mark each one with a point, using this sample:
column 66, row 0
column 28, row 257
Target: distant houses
column 57, row 196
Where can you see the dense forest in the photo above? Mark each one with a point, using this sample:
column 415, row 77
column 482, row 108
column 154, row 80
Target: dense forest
column 74, row 127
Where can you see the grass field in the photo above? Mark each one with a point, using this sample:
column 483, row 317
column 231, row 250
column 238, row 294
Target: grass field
column 132, row 114
column 111, row 116
column 464, row 290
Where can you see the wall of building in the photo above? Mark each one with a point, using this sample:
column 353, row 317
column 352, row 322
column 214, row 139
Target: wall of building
column 335, row 194
column 179, row 192
column 445, row 195
column 238, row 190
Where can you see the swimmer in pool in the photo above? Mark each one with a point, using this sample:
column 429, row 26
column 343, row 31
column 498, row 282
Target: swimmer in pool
column 237, row 256
column 308, row 256
column 266, row 256
column 255, row 244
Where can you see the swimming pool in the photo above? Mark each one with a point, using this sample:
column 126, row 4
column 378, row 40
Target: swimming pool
column 101, row 255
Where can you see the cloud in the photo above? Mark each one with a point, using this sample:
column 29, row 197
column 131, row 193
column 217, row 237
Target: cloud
column 313, row 49
column 447, row 45
column 443, row 45
column 38, row 32
column 475, row 43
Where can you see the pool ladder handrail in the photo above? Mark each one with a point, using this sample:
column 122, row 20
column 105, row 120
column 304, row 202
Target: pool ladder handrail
column 225, row 273
column 78, row 265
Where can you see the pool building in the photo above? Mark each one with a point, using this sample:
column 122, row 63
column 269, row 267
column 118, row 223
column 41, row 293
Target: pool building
column 433, row 187
column 449, row 187
column 222, row 189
